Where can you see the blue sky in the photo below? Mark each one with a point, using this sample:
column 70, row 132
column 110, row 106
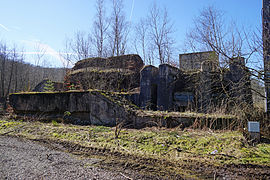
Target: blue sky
column 48, row 23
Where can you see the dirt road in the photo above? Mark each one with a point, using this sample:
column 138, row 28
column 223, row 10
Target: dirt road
column 25, row 159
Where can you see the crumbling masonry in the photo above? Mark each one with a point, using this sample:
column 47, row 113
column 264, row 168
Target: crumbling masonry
column 114, row 90
column 199, row 84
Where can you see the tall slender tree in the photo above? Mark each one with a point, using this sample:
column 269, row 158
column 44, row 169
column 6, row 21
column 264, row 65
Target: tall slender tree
column 118, row 29
column 100, row 26
column 161, row 31
column 140, row 43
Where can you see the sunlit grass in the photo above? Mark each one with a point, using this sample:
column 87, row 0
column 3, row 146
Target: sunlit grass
column 219, row 147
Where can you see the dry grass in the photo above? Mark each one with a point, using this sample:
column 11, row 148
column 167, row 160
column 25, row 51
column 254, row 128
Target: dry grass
column 218, row 147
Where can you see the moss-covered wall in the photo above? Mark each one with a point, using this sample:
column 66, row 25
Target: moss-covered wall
column 105, row 80
column 91, row 107
column 131, row 62
column 120, row 73
column 98, row 108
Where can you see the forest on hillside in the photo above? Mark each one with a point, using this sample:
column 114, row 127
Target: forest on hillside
column 17, row 75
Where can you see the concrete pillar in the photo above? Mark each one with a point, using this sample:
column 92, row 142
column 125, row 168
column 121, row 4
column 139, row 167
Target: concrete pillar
column 167, row 77
column 148, row 85
column 240, row 81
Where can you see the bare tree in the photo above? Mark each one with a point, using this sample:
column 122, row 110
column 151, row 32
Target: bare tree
column 118, row 29
column 38, row 56
column 13, row 56
column 141, row 32
column 16, row 75
column 39, row 61
column 100, row 26
column 67, row 54
column 78, row 48
column 18, row 68
column 82, row 45
column 212, row 33
column 161, row 31
column 9, row 71
column 3, row 58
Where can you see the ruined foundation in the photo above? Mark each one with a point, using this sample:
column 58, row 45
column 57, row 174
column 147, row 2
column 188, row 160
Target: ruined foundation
column 119, row 89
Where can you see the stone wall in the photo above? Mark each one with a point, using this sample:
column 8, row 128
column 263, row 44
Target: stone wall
column 131, row 62
column 120, row 73
column 105, row 80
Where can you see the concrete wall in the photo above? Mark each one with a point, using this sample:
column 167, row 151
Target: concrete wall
column 193, row 61
column 239, row 81
column 97, row 108
column 120, row 73
column 57, row 86
column 148, row 87
column 90, row 107
column 201, row 89
column 167, row 77
column 162, row 87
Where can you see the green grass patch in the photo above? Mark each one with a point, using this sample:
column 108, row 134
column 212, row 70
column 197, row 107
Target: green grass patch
column 54, row 123
column 6, row 124
column 174, row 145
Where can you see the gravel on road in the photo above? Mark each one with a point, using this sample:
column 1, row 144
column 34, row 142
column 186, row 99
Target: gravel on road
column 25, row 159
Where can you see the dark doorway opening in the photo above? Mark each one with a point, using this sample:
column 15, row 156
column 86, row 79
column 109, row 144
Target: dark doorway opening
column 154, row 97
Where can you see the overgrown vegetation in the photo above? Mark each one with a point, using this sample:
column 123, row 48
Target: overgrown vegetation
column 49, row 86
column 164, row 152
column 218, row 147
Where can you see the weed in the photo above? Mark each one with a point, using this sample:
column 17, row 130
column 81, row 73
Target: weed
column 170, row 144
column 49, row 86
column 8, row 124
column 55, row 123
column 98, row 129
column 67, row 113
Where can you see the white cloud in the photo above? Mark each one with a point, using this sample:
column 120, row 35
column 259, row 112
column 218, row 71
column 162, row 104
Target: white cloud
column 16, row 28
column 131, row 12
column 4, row 27
column 46, row 50
column 38, row 52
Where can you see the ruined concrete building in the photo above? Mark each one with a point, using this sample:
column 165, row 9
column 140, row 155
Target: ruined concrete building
column 199, row 83
column 106, row 88
column 121, row 73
